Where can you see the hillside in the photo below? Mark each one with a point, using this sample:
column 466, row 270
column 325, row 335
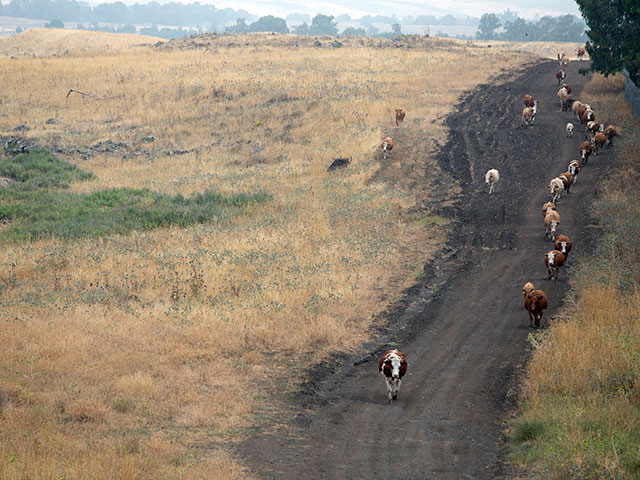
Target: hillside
column 48, row 42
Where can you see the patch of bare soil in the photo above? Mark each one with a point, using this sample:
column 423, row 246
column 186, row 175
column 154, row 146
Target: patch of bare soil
column 463, row 326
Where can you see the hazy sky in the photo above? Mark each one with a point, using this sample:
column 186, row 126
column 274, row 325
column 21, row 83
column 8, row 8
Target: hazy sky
column 525, row 8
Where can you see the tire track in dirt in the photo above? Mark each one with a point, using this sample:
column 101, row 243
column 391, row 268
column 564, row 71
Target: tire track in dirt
column 463, row 328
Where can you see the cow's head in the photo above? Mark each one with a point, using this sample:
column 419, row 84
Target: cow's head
column 392, row 366
column 562, row 246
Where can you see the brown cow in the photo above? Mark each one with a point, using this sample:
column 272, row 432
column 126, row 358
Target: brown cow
column 528, row 100
column 551, row 222
column 387, row 146
column 585, row 150
column 561, row 75
column 527, row 288
column 553, row 259
column 563, row 244
column 598, row 141
column 581, row 53
column 588, row 116
column 400, row 113
column 536, row 303
column 393, row 365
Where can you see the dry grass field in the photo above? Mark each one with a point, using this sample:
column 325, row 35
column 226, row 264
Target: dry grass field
column 142, row 355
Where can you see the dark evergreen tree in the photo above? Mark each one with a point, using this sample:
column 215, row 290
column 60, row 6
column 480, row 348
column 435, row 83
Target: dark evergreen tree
column 614, row 35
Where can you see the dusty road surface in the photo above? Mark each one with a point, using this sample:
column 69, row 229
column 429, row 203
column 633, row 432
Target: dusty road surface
column 463, row 328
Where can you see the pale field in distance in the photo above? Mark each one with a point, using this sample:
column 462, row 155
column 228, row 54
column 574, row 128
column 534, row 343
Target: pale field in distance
column 143, row 355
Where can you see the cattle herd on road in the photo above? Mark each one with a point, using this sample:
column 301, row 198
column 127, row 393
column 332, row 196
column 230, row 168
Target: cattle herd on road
column 393, row 364
column 597, row 136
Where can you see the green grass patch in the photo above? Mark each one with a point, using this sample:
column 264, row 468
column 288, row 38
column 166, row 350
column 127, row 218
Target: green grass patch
column 526, row 430
column 583, row 438
column 37, row 206
column 40, row 169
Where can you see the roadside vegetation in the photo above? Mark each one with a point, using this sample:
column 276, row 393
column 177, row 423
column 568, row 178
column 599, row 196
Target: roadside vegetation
column 580, row 412
column 143, row 354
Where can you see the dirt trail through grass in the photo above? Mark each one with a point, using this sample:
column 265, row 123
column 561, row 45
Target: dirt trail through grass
column 463, row 327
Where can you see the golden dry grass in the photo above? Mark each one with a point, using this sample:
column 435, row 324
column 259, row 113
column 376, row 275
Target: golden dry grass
column 541, row 49
column 55, row 42
column 139, row 356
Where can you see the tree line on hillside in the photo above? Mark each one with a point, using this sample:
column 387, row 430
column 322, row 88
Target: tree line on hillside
column 173, row 13
column 567, row 28
column 119, row 18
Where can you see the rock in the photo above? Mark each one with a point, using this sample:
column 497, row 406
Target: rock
column 52, row 121
column 148, row 139
column 22, row 128
column 339, row 163
column 5, row 182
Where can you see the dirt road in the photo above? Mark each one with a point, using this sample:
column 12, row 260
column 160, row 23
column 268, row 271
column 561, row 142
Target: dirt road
column 463, row 328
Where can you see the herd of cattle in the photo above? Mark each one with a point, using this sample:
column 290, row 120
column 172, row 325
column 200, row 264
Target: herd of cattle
column 597, row 136
column 393, row 364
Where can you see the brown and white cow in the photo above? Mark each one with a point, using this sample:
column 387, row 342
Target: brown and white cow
column 536, row 303
column 548, row 207
column 587, row 116
column 574, row 168
column 611, row 131
column 527, row 288
column 491, row 178
column 387, row 146
column 581, row 52
column 568, row 130
column 576, row 105
column 555, row 187
column 529, row 115
column 551, row 222
column 568, row 87
column 563, row 244
column 585, row 150
column 400, row 114
column 561, row 75
column 567, row 180
column 528, row 101
column 393, row 365
column 553, row 259
column 592, row 128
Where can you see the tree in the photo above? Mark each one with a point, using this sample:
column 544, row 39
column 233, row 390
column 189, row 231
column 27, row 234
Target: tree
column 240, row 27
column 323, row 25
column 614, row 35
column 55, row 23
column 486, row 28
column 302, row 29
column 269, row 24
column 354, row 32
column 396, row 29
